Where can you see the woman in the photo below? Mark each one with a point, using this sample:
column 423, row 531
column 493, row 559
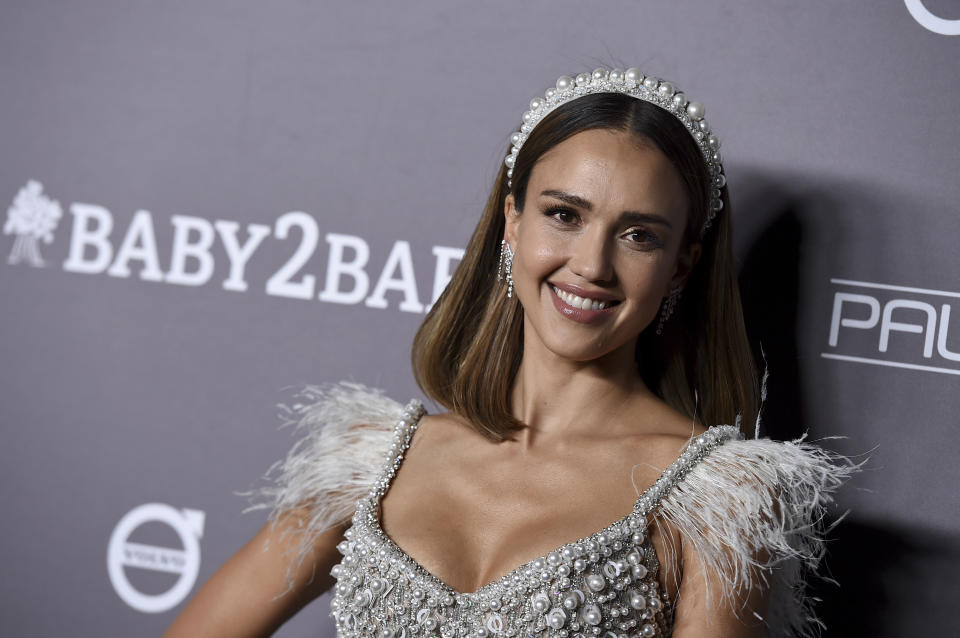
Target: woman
column 580, row 386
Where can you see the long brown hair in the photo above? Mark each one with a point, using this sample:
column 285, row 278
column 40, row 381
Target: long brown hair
column 467, row 350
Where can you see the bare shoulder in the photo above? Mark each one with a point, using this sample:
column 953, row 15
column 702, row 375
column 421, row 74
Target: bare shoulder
column 444, row 437
column 444, row 428
column 659, row 435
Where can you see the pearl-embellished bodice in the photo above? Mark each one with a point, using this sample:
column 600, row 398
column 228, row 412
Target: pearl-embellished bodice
column 604, row 585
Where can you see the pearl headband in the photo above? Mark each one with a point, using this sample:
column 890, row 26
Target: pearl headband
column 635, row 84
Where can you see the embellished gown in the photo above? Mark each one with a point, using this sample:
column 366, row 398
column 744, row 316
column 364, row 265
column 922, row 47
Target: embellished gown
column 734, row 499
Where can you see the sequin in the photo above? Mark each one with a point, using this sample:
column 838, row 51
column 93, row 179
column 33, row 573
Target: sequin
column 579, row 590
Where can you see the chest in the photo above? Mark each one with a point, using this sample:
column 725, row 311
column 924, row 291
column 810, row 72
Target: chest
column 602, row 584
column 472, row 527
column 472, row 517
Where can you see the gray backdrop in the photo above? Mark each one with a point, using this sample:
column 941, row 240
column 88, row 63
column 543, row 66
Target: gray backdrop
column 144, row 352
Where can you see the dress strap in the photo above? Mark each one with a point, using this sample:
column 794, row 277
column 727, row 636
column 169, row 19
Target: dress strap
column 696, row 450
column 403, row 431
column 755, row 513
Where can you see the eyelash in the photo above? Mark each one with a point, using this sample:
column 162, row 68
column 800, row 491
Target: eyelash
column 553, row 211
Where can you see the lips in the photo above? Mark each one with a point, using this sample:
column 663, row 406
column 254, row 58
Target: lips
column 584, row 303
column 580, row 308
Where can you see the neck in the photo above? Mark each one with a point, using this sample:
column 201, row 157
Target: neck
column 558, row 397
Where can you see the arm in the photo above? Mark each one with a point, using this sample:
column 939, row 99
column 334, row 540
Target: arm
column 696, row 616
column 347, row 429
column 239, row 599
column 752, row 517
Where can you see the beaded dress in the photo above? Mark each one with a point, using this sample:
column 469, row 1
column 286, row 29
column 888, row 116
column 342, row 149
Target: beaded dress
column 734, row 499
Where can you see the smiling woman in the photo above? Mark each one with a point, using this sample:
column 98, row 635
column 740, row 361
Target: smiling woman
column 589, row 243
column 590, row 477
column 604, row 165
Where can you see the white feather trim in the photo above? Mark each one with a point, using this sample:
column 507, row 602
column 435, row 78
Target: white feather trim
column 347, row 430
column 754, row 511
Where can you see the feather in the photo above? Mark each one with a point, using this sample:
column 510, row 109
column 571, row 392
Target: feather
column 754, row 512
column 346, row 432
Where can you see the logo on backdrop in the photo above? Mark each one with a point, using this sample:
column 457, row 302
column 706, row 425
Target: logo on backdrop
column 898, row 326
column 123, row 554
column 33, row 216
column 930, row 21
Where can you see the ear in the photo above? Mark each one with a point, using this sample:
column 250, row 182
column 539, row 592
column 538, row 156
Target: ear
column 686, row 260
column 511, row 220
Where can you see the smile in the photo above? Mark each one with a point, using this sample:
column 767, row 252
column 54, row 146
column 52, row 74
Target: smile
column 582, row 309
column 584, row 303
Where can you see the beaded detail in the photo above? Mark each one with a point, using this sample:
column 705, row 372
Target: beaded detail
column 634, row 83
column 603, row 585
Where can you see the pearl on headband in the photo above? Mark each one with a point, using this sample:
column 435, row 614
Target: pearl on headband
column 635, row 84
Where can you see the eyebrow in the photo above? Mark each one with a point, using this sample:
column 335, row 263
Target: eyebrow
column 627, row 215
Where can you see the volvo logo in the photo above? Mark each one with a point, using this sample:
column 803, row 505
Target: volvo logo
column 930, row 21
column 123, row 554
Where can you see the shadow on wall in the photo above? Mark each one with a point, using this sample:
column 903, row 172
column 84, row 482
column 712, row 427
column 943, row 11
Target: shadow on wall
column 894, row 580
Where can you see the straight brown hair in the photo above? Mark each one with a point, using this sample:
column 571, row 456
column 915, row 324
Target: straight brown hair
column 467, row 350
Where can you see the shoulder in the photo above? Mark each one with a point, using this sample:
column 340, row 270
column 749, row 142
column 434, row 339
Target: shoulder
column 755, row 481
column 658, row 437
column 445, row 442
column 766, row 464
column 446, row 430
column 754, row 511
column 345, row 431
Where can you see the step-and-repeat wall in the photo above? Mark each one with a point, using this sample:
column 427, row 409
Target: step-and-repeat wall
column 210, row 203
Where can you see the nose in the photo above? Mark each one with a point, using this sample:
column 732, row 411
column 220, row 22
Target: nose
column 591, row 258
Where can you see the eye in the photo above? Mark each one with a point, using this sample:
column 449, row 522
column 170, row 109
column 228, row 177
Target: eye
column 562, row 215
column 643, row 237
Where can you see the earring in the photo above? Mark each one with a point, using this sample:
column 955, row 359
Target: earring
column 505, row 269
column 668, row 307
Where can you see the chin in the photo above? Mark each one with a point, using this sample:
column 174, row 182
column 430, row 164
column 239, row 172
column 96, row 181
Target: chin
column 580, row 349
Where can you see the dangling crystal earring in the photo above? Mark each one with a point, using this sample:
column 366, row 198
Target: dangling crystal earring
column 668, row 307
column 505, row 269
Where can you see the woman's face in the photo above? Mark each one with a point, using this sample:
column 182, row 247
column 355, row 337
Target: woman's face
column 597, row 246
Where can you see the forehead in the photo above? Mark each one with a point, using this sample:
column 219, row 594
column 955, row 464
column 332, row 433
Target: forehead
column 611, row 168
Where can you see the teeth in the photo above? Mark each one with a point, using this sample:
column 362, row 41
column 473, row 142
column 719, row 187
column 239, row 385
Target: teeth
column 580, row 302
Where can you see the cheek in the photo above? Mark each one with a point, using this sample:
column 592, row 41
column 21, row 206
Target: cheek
column 644, row 277
column 642, row 284
column 541, row 252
